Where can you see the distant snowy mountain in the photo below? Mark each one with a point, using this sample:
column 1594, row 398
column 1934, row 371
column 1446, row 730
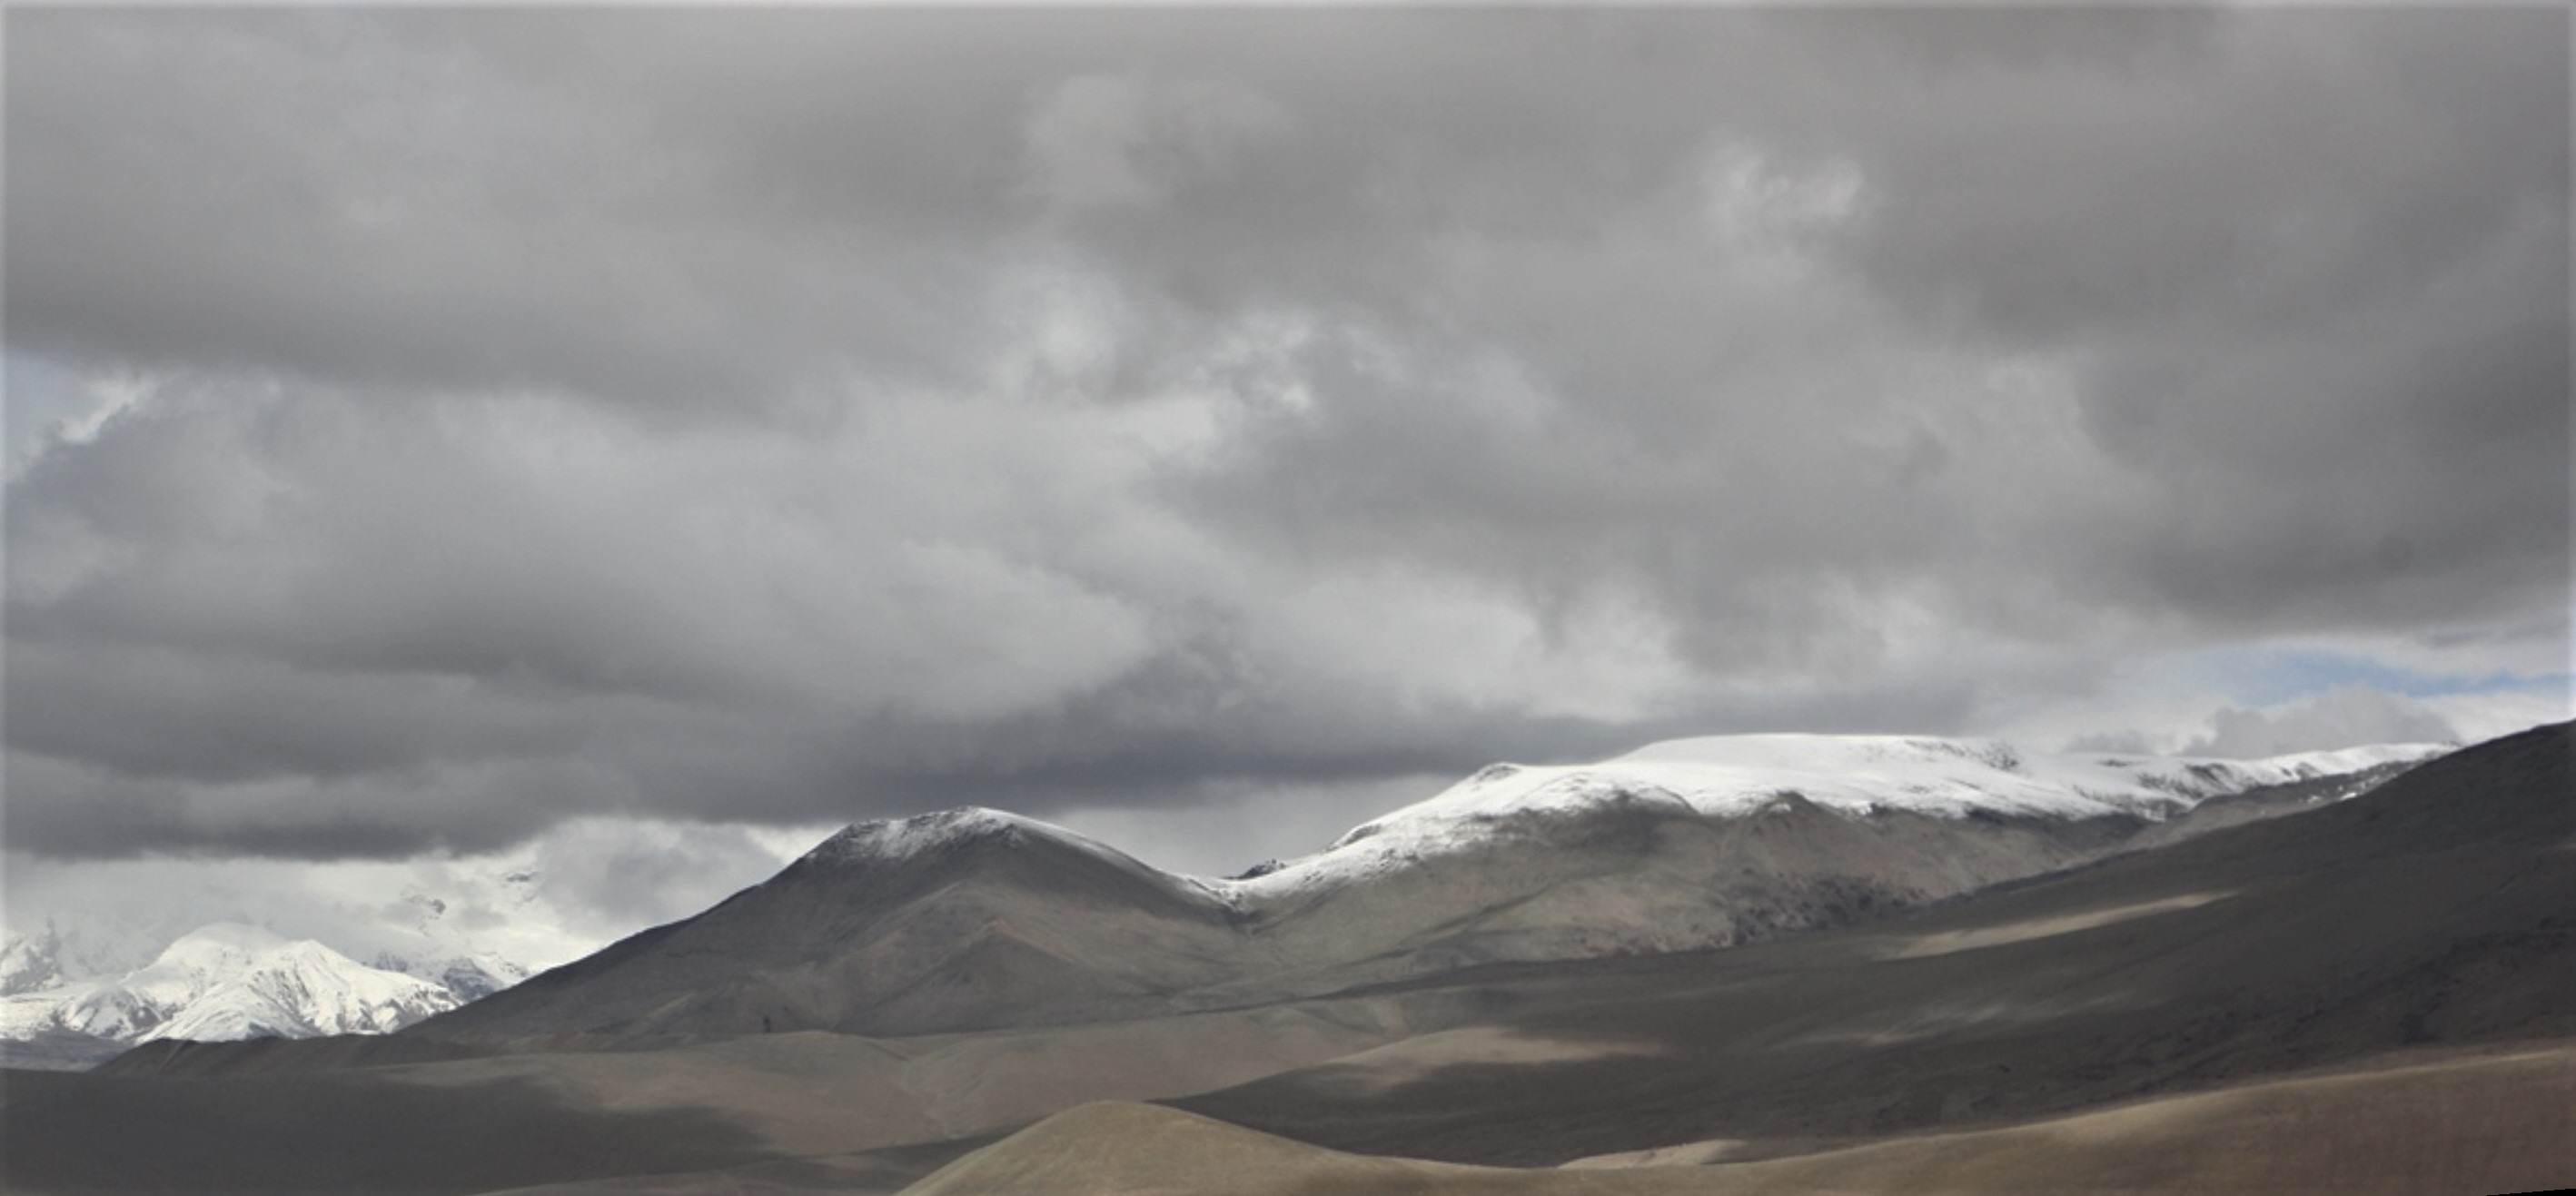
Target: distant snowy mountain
column 28, row 964
column 304, row 990
column 224, row 981
column 61, row 952
column 484, row 929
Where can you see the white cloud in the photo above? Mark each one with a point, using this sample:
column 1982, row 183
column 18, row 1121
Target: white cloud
column 556, row 898
column 2345, row 716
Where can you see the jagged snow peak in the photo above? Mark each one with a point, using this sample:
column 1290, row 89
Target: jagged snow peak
column 474, row 926
column 31, row 963
column 63, row 952
column 302, row 990
column 230, row 981
column 1741, row 775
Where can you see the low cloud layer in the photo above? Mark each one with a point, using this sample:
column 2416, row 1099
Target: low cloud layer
column 426, row 429
column 2335, row 718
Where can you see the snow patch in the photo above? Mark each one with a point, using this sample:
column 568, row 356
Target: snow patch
column 899, row 839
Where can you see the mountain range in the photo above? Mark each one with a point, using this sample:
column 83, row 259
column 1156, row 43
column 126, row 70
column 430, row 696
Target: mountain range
column 975, row 919
column 84, row 984
column 222, row 982
column 948, row 921
column 1714, row 966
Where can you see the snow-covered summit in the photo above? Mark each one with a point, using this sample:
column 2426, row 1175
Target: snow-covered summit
column 214, row 946
column 974, row 839
column 229, row 980
column 900, row 838
column 942, row 832
column 304, row 989
column 1722, row 774
column 1856, row 775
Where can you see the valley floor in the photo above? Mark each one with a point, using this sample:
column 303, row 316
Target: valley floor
column 2502, row 1122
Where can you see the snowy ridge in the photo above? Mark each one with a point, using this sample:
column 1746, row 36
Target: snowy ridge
column 1741, row 775
column 304, row 990
column 230, row 981
column 942, row 830
column 1727, row 776
column 474, row 927
column 906, row 838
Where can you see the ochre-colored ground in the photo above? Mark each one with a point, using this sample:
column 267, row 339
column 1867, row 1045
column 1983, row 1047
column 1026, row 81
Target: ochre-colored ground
column 2461, row 1126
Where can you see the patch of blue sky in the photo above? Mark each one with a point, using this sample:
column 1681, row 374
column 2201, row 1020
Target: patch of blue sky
column 39, row 396
column 2270, row 676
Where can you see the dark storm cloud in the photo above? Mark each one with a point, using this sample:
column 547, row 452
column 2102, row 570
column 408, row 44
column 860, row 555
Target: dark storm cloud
column 466, row 421
column 2300, row 272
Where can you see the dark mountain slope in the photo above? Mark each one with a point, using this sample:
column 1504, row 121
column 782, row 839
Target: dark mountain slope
column 966, row 918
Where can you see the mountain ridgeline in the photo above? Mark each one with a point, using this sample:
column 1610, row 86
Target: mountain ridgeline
column 2375, row 994
column 222, row 982
column 975, row 919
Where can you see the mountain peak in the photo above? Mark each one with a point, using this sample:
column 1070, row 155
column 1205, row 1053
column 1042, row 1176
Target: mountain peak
column 302, row 989
column 218, row 944
column 230, row 980
column 935, row 833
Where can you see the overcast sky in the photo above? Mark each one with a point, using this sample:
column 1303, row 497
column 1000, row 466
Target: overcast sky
column 437, row 434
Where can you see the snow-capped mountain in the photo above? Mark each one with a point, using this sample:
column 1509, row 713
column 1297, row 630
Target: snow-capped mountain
column 974, row 919
column 1731, row 776
column 226, row 981
column 304, row 990
column 478, row 930
column 30, row 963
column 65, row 950
column 130, row 1006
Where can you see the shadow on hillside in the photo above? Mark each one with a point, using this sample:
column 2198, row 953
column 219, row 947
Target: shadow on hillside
column 347, row 1132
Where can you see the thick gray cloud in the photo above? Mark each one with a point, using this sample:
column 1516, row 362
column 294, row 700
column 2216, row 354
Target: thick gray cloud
column 431, row 427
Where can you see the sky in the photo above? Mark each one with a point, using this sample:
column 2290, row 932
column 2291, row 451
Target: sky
column 646, row 439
